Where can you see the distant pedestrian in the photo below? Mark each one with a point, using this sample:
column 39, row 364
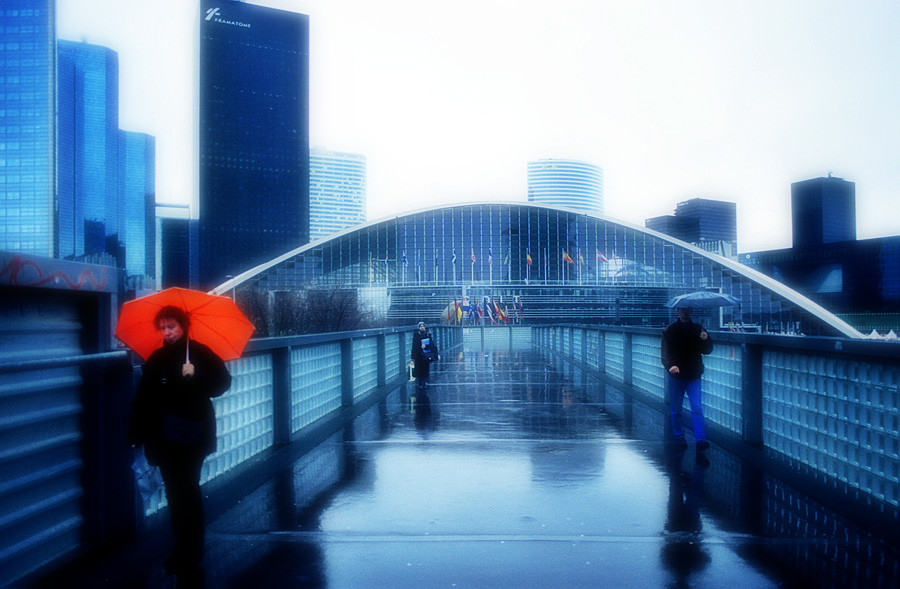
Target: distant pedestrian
column 424, row 352
column 173, row 418
column 683, row 342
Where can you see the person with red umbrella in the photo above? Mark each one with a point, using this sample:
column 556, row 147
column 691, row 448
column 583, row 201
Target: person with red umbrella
column 173, row 416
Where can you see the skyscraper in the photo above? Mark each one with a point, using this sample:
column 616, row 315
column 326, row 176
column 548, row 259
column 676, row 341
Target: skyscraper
column 177, row 247
column 823, row 211
column 60, row 194
column 337, row 191
column 89, row 148
column 253, row 186
column 137, row 193
column 28, row 118
column 566, row 183
column 709, row 224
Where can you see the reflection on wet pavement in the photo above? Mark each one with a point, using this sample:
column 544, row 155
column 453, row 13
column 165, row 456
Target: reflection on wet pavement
column 516, row 470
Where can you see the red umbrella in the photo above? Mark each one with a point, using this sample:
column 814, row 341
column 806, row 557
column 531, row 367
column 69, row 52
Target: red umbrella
column 215, row 321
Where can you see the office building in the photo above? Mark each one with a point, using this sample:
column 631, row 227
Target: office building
column 337, row 191
column 708, row 224
column 28, row 116
column 253, row 190
column 540, row 263
column 566, row 183
column 176, row 247
column 137, row 193
column 857, row 279
column 89, row 149
column 823, row 211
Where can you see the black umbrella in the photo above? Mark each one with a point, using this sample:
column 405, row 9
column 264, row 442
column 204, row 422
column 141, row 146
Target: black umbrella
column 702, row 299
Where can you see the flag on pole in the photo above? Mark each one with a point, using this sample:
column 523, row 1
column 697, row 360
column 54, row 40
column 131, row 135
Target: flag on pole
column 581, row 258
column 405, row 261
column 490, row 257
column 528, row 259
column 601, row 257
column 567, row 258
column 453, row 259
column 473, row 256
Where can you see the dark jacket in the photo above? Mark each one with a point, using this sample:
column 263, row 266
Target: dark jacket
column 422, row 366
column 681, row 346
column 168, row 402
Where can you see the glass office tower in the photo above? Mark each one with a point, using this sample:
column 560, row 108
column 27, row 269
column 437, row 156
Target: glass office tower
column 823, row 211
column 89, row 146
column 708, row 224
column 566, row 183
column 27, row 116
column 337, row 191
column 137, row 189
column 253, row 136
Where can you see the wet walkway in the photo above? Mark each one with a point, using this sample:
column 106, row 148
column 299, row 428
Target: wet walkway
column 516, row 472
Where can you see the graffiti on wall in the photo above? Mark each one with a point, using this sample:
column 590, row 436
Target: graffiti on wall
column 19, row 270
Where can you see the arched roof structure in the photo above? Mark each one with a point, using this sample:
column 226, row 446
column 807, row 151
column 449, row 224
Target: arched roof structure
column 550, row 263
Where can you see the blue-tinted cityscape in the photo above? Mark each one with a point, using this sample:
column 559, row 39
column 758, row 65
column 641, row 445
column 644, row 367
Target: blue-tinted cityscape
column 544, row 449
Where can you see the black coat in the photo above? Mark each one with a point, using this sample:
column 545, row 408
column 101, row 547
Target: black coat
column 681, row 346
column 422, row 366
column 165, row 397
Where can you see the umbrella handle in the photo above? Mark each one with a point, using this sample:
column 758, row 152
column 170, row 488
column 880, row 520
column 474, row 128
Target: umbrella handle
column 187, row 349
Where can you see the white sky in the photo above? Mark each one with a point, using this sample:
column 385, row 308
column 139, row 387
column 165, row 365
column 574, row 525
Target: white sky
column 674, row 99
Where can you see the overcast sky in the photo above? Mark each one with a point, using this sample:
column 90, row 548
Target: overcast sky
column 722, row 99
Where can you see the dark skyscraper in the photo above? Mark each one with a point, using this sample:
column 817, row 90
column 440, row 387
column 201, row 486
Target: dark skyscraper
column 253, row 136
column 823, row 211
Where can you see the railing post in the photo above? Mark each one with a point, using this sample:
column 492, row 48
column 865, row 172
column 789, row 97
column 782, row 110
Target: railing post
column 281, row 395
column 584, row 346
column 403, row 355
column 751, row 394
column 601, row 351
column 382, row 360
column 347, row 372
column 628, row 355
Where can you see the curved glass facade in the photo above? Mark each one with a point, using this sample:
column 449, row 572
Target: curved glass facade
column 566, row 183
column 541, row 263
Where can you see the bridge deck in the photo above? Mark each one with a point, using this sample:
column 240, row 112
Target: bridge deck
column 517, row 473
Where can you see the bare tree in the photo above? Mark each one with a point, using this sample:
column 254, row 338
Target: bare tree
column 298, row 312
column 254, row 303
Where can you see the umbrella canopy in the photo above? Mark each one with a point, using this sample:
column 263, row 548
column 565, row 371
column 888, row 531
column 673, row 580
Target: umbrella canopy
column 215, row 321
column 702, row 299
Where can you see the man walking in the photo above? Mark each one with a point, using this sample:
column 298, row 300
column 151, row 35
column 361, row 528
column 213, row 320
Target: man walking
column 683, row 342
column 424, row 352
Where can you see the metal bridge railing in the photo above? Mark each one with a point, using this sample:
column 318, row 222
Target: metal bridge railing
column 827, row 406
column 67, row 483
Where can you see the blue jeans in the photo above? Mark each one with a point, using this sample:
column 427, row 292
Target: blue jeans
column 677, row 388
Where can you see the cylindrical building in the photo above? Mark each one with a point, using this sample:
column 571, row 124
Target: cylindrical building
column 566, row 183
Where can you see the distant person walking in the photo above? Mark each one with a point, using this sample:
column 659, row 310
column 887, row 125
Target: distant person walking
column 173, row 418
column 683, row 342
column 424, row 352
